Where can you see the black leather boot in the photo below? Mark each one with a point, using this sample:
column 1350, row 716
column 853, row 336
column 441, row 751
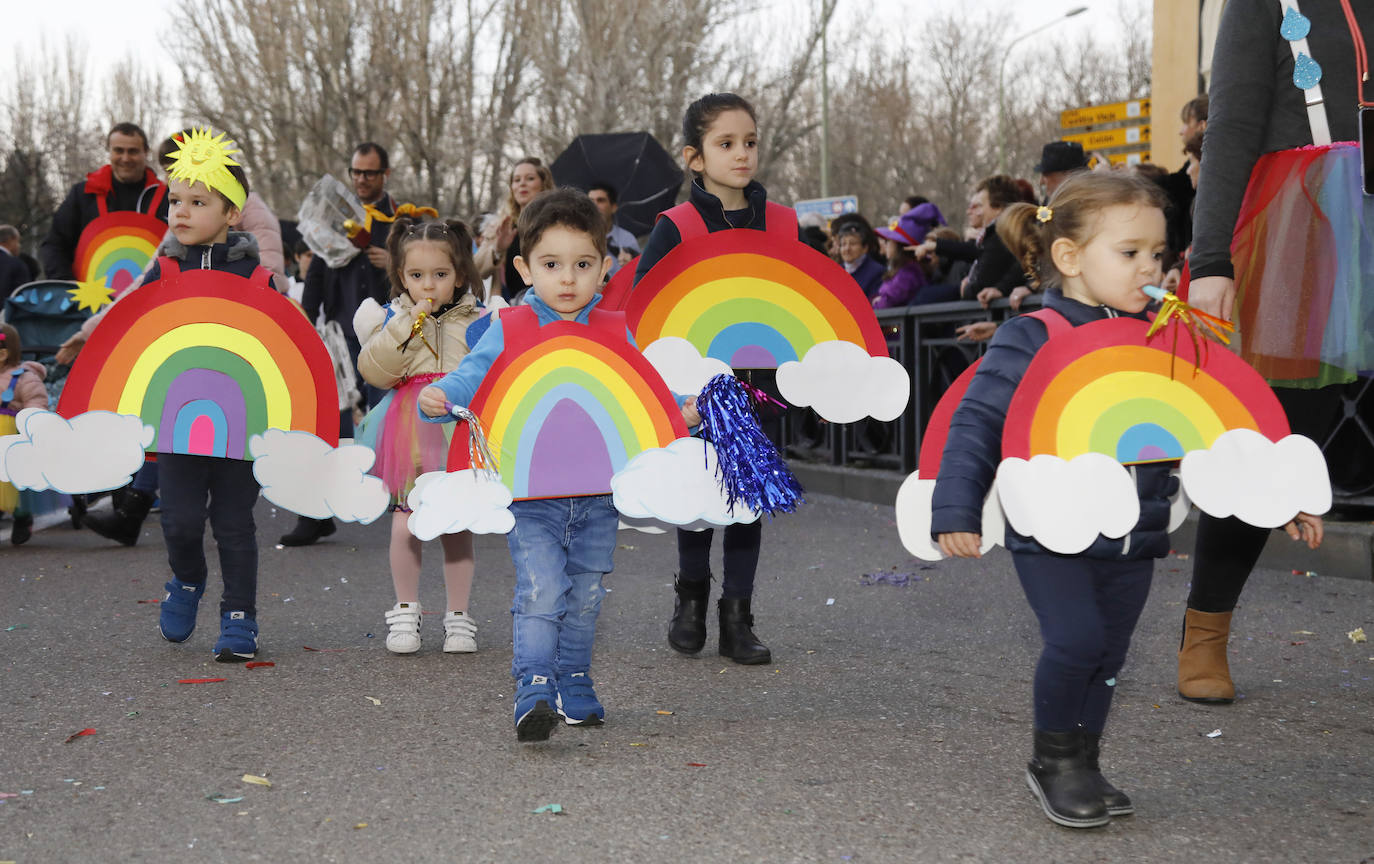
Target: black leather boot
column 124, row 523
column 737, row 639
column 307, row 531
column 687, row 627
column 22, row 530
column 1058, row 775
column 1118, row 804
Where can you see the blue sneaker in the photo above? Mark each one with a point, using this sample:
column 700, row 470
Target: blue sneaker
column 238, row 638
column 534, row 713
column 577, row 700
column 177, row 612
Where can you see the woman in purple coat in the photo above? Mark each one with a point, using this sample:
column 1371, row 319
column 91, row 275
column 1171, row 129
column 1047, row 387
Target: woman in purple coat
column 907, row 283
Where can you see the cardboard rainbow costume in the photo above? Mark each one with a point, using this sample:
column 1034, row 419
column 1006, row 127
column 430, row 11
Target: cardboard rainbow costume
column 207, row 363
column 1110, row 394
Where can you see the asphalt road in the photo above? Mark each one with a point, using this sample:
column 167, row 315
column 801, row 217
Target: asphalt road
column 893, row 724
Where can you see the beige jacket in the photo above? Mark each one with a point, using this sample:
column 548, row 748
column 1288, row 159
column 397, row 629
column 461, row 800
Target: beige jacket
column 382, row 365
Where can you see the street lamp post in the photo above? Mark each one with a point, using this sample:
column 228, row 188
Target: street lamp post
column 1001, row 74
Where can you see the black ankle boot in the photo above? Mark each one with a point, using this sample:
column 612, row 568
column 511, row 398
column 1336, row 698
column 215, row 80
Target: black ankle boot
column 687, row 627
column 124, row 523
column 22, row 530
column 307, row 531
column 1058, row 775
column 1118, row 804
column 737, row 639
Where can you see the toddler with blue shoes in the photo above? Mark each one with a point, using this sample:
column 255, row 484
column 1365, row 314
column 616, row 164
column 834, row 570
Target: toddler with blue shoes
column 561, row 547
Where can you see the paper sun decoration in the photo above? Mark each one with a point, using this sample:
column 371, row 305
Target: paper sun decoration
column 205, row 158
column 1106, row 395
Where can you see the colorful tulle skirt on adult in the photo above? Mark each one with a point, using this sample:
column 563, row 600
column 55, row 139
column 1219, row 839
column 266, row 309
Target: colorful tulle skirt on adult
column 1304, row 259
column 406, row 446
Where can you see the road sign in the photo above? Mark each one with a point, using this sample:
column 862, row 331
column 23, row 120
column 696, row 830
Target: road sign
column 1096, row 115
column 1135, row 158
column 1130, row 135
column 829, row 208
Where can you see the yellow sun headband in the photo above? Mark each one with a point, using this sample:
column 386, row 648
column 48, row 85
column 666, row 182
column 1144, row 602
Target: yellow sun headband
column 205, row 158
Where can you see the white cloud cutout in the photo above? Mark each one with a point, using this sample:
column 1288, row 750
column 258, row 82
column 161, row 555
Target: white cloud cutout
column 677, row 485
column 844, row 383
column 914, row 514
column 682, row 366
column 300, row 472
column 1260, row 482
column 467, row 500
column 93, row 452
column 1065, row 505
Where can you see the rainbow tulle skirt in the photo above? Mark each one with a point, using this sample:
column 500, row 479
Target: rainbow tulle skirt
column 1304, row 259
column 406, row 446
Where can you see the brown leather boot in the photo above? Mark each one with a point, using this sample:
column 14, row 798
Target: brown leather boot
column 1203, row 675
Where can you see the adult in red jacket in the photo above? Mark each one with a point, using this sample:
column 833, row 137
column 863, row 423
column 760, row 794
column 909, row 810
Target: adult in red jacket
column 126, row 183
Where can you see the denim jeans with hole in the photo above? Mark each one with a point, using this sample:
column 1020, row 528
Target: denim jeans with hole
column 561, row 548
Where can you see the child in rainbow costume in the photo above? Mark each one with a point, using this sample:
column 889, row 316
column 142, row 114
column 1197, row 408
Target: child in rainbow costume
column 565, row 523
column 1084, row 550
column 417, row 339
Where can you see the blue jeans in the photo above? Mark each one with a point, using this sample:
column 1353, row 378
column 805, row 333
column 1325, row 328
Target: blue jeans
column 1087, row 610
column 561, row 548
column 194, row 487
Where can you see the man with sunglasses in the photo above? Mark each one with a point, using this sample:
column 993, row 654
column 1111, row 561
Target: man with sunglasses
column 340, row 290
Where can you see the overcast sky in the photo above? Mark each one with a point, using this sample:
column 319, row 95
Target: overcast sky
column 114, row 29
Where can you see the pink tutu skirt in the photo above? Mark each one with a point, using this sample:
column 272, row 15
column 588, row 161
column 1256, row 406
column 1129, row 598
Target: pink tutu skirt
column 1304, row 260
column 406, row 446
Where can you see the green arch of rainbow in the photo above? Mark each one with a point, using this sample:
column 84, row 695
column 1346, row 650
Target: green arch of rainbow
column 752, row 301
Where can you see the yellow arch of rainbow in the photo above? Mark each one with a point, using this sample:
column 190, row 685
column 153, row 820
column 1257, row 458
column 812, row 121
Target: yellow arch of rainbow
column 220, row 335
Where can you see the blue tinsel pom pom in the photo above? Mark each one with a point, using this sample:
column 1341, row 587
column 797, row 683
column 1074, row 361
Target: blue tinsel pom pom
column 750, row 469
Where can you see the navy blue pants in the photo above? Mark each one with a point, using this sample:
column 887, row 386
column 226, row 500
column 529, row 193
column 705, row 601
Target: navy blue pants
column 741, row 557
column 224, row 490
column 1087, row 610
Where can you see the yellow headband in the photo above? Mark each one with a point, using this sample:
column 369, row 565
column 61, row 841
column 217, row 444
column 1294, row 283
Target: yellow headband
column 205, row 158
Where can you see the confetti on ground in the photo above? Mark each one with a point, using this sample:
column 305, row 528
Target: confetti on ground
column 75, row 735
column 626, row 547
column 259, row 664
column 1303, row 633
column 360, row 826
column 1182, row 556
column 636, row 743
column 1308, row 573
column 696, row 764
column 1215, row 733
column 556, row 809
column 9, row 794
column 16, row 627
column 373, row 701
column 201, row 680
column 830, row 601
column 664, row 713
column 899, row 580
column 256, row 780
column 1299, row 642
column 220, row 799
column 150, row 601
column 325, row 650
column 1357, row 636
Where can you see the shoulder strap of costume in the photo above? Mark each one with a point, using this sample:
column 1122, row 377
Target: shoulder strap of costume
column 261, row 278
column 1312, row 96
column 170, row 268
column 779, row 219
column 8, row 395
column 1054, row 321
column 688, row 221
column 607, row 321
column 519, row 327
column 102, row 206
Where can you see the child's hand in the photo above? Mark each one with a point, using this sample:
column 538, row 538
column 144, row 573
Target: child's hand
column 432, row 401
column 690, row 415
column 961, row 544
column 1307, row 528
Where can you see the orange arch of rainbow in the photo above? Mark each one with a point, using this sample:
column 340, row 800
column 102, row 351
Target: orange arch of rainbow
column 752, row 300
column 208, row 360
column 1104, row 388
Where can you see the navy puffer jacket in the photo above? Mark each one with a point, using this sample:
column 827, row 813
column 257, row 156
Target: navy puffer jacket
column 974, row 448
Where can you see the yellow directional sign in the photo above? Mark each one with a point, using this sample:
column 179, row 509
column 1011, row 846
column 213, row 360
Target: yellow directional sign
column 1128, row 158
column 1094, row 115
column 1111, row 137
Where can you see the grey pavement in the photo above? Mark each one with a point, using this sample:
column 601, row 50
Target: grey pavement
column 893, row 725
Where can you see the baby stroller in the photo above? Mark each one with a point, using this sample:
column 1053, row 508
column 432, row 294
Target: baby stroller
column 46, row 316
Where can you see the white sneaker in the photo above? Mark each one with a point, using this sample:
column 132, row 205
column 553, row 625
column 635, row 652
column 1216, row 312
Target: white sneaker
column 460, row 634
column 404, row 621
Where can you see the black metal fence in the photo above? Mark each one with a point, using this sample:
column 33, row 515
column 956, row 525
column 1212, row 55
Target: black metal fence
column 923, row 339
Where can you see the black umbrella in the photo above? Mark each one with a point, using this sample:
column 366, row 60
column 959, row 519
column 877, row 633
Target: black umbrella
column 646, row 178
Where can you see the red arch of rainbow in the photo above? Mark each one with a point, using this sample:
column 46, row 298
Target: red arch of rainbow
column 103, row 368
